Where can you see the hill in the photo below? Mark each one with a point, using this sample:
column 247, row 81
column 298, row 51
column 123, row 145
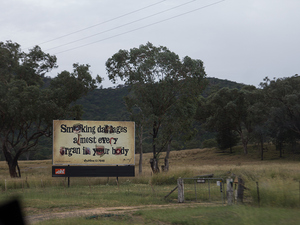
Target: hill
column 107, row 104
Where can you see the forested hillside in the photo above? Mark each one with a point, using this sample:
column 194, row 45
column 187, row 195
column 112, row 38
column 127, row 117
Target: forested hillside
column 108, row 105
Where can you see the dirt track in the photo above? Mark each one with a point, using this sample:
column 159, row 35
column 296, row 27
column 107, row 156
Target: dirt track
column 98, row 211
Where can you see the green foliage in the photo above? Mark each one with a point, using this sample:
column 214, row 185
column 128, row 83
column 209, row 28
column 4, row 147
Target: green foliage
column 227, row 139
column 229, row 112
column 215, row 84
column 109, row 105
column 163, row 91
column 257, row 115
column 282, row 96
column 27, row 108
column 209, row 143
column 105, row 104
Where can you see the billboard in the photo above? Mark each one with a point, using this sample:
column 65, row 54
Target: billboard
column 77, row 142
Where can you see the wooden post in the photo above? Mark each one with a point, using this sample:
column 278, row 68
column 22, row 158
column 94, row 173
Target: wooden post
column 180, row 186
column 229, row 192
column 258, row 198
column 209, row 190
column 68, row 180
column 240, row 190
column 195, row 186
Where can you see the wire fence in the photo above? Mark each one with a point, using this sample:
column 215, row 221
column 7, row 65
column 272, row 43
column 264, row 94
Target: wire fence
column 265, row 193
column 204, row 190
column 269, row 192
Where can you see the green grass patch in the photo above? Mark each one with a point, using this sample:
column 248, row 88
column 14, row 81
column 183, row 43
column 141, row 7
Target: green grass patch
column 59, row 199
column 240, row 215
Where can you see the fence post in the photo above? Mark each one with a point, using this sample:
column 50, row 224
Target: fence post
column 195, row 186
column 180, row 190
column 229, row 182
column 209, row 190
column 258, row 198
column 240, row 190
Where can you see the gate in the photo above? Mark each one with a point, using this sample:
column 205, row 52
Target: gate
column 201, row 189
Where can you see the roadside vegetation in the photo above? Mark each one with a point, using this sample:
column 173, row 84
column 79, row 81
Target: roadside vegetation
column 278, row 181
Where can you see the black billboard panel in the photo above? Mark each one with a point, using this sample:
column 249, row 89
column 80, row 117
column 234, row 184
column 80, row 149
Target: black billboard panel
column 93, row 171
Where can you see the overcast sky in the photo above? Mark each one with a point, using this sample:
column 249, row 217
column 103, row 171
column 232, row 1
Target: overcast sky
column 238, row 40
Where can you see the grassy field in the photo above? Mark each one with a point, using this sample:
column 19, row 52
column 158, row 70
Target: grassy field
column 192, row 216
column 278, row 180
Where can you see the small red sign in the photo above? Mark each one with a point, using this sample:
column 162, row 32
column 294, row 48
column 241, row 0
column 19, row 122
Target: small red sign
column 60, row 171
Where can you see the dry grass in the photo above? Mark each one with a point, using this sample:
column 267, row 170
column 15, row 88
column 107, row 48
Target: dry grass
column 278, row 179
column 182, row 163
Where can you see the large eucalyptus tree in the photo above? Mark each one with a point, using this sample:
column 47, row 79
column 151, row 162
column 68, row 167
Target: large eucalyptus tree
column 282, row 97
column 27, row 108
column 164, row 87
column 231, row 110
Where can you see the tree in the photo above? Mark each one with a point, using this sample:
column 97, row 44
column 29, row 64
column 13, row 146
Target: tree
column 228, row 110
column 227, row 139
column 164, row 88
column 27, row 109
column 259, row 112
column 282, row 97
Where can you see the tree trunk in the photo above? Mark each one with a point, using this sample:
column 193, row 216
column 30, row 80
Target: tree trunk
column 13, row 167
column 244, row 142
column 141, row 162
column 154, row 165
column 280, row 149
column 245, row 147
column 262, row 149
column 28, row 155
column 11, row 162
column 141, row 150
column 153, row 161
column 166, row 167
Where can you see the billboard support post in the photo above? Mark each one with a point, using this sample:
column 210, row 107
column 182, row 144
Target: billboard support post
column 68, row 180
column 117, row 178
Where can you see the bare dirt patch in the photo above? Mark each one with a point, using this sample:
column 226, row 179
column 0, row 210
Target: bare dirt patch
column 105, row 210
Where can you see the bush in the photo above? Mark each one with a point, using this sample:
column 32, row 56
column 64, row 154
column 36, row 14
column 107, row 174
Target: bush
column 209, row 143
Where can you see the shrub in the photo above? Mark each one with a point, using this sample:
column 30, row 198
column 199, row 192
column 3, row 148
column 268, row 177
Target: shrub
column 209, row 143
